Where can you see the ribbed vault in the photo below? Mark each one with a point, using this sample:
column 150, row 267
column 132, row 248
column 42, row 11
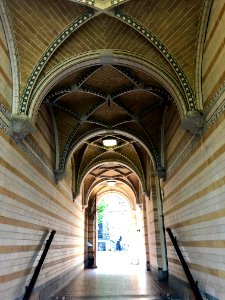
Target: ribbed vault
column 106, row 68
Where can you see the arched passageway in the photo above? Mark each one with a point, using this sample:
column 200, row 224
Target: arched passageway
column 146, row 75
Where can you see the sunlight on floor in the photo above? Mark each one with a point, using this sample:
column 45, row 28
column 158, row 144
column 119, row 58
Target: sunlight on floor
column 114, row 278
column 120, row 262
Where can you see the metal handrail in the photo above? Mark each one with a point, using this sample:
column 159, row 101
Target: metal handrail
column 30, row 287
column 187, row 272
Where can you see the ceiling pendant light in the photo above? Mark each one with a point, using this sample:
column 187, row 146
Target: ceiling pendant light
column 109, row 142
column 111, row 182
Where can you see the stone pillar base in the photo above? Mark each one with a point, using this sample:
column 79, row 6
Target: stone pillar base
column 162, row 275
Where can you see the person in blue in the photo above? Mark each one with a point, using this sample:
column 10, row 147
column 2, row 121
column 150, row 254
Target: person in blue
column 118, row 245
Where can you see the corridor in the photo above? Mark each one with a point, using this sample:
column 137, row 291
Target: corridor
column 119, row 99
column 114, row 278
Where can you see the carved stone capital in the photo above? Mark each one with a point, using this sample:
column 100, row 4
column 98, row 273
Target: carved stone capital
column 194, row 122
column 59, row 174
column 20, row 127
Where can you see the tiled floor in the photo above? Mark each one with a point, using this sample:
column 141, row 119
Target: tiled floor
column 115, row 278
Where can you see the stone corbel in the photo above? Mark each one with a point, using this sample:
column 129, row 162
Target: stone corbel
column 20, row 127
column 194, row 122
column 161, row 172
column 59, row 174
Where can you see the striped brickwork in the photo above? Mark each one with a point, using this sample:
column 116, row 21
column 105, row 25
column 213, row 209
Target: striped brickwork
column 31, row 206
column 155, row 257
column 214, row 52
column 91, row 235
column 194, row 208
column 141, row 237
column 146, row 229
column 5, row 71
column 194, row 191
column 36, row 26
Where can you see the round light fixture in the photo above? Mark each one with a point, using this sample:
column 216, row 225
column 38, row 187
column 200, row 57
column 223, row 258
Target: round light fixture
column 111, row 182
column 109, row 142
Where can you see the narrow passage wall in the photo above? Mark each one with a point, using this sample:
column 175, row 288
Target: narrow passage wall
column 31, row 205
column 194, row 204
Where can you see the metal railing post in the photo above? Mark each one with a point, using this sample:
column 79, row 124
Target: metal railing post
column 30, row 287
column 187, row 272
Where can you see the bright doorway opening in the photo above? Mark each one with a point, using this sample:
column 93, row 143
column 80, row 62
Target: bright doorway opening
column 120, row 237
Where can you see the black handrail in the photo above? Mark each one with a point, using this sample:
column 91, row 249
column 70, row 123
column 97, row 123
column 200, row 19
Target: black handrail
column 187, row 272
column 30, row 287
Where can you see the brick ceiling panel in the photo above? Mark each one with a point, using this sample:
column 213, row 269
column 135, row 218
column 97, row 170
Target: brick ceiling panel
column 36, row 24
column 137, row 100
column 85, row 129
column 65, row 124
column 135, row 129
column 130, row 152
column 145, row 78
column 69, row 80
column 153, row 127
column 110, row 115
column 104, row 32
column 79, row 101
column 108, row 79
column 175, row 22
column 90, row 153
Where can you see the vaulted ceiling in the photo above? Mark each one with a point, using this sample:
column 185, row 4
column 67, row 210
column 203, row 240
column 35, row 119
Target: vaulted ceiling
column 107, row 68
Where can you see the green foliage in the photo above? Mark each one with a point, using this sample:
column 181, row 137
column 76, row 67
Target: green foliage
column 101, row 210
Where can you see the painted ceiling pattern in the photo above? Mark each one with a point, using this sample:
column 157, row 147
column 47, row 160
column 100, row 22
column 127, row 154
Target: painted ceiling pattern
column 108, row 98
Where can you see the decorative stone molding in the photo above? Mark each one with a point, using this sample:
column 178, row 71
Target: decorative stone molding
column 86, row 2
column 194, row 122
column 219, row 93
column 20, row 127
column 9, row 35
column 117, row 2
column 199, row 55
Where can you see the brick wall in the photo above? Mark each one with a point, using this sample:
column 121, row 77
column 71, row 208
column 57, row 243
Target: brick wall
column 31, row 206
column 5, row 71
column 194, row 191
